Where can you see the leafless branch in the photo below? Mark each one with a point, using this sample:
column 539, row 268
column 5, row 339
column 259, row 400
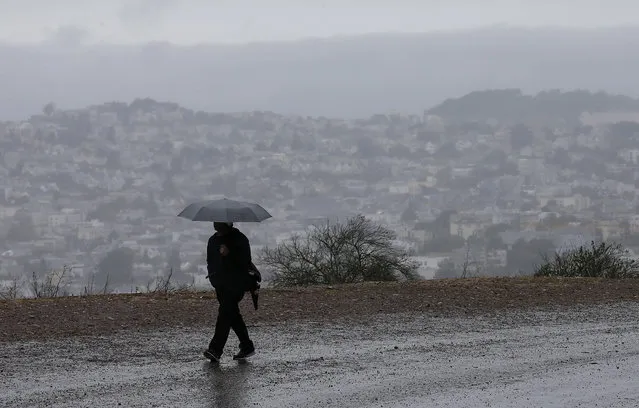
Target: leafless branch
column 352, row 251
column 51, row 285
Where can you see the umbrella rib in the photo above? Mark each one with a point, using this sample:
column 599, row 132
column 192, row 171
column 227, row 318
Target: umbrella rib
column 199, row 211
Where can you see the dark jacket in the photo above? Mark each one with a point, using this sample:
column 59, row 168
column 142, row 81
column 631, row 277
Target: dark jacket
column 230, row 271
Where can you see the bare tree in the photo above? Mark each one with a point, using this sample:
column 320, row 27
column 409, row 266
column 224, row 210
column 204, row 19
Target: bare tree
column 51, row 285
column 354, row 251
column 105, row 288
column 90, row 287
column 467, row 263
column 12, row 290
column 470, row 267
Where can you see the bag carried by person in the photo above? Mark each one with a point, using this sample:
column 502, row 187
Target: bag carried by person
column 253, row 283
column 254, row 273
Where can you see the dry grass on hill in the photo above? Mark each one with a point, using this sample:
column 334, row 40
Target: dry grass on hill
column 28, row 319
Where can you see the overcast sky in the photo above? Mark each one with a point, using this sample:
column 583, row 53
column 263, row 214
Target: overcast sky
column 237, row 21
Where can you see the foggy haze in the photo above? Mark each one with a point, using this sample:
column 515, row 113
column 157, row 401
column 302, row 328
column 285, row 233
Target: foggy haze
column 504, row 125
column 239, row 21
column 387, row 140
column 88, row 52
column 341, row 77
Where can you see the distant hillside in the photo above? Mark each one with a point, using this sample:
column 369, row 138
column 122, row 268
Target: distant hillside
column 341, row 77
column 511, row 105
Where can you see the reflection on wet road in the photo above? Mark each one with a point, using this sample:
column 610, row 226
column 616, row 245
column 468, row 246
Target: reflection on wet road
column 586, row 358
column 228, row 386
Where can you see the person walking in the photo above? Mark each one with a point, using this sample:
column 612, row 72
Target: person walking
column 228, row 262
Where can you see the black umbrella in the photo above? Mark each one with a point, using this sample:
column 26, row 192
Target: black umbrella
column 224, row 210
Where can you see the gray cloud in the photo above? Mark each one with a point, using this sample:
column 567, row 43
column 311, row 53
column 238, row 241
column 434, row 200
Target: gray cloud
column 68, row 35
column 197, row 21
column 147, row 12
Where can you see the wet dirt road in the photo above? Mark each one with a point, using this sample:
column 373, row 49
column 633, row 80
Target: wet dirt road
column 570, row 358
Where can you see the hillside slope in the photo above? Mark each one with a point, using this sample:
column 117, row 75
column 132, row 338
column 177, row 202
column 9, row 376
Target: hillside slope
column 42, row 318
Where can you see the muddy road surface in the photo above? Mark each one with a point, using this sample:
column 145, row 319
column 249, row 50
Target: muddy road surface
column 580, row 357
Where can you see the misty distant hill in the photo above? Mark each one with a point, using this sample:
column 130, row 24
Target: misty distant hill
column 345, row 77
column 548, row 107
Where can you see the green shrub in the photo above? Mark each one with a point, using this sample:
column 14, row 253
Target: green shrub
column 598, row 260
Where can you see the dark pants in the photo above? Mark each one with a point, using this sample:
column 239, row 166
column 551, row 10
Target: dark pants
column 229, row 317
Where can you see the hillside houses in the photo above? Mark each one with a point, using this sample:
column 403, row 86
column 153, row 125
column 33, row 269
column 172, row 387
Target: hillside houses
column 111, row 176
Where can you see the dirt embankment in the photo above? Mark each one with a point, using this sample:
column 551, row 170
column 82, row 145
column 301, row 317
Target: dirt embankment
column 28, row 319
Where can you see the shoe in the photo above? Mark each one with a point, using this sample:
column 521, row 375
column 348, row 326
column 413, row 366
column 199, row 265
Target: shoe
column 244, row 353
column 214, row 357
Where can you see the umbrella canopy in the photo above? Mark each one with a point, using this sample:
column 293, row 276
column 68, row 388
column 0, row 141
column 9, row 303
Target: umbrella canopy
column 224, row 210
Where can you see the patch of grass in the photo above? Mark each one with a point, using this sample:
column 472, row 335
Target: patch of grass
column 164, row 285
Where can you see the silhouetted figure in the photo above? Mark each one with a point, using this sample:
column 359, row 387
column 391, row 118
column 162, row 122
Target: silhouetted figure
column 228, row 261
